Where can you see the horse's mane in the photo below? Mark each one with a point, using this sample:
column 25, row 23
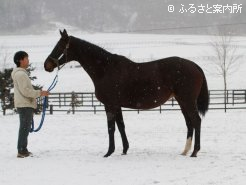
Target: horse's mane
column 95, row 51
column 92, row 50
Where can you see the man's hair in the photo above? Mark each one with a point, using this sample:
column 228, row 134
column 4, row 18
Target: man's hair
column 19, row 55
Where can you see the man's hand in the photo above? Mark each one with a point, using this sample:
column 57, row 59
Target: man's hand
column 45, row 93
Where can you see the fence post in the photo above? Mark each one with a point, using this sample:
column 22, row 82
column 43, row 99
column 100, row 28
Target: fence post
column 225, row 93
column 51, row 109
column 227, row 96
column 4, row 110
column 73, row 103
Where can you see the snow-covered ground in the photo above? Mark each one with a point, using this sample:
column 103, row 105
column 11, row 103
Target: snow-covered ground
column 70, row 148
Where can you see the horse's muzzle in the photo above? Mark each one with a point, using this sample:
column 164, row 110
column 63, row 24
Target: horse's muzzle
column 48, row 66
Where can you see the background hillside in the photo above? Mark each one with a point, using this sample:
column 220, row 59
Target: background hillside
column 29, row 16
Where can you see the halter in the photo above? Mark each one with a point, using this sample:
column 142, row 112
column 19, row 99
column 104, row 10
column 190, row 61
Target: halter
column 64, row 53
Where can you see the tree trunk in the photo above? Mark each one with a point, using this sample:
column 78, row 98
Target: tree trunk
column 225, row 91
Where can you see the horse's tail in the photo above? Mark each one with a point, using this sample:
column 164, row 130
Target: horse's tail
column 203, row 98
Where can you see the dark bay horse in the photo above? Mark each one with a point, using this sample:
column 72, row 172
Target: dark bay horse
column 120, row 82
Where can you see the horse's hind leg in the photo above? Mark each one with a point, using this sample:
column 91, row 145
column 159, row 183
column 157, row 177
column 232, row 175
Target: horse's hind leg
column 189, row 134
column 196, row 124
column 189, row 129
column 121, row 127
column 193, row 121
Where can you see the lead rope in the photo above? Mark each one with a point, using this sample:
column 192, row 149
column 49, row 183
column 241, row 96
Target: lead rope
column 45, row 100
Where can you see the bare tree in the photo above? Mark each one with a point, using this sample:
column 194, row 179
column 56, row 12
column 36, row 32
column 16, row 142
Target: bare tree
column 4, row 57
column 225, row 58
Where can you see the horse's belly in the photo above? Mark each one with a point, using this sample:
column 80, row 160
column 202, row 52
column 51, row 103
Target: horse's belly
column 147, row 102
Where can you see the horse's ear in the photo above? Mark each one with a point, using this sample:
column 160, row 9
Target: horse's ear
column 64, row 34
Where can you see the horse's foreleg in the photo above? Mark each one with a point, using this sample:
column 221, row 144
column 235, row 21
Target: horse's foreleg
column 111, row 116
column 121, row 127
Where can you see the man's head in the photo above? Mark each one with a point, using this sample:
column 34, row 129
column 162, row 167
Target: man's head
column 21, row 59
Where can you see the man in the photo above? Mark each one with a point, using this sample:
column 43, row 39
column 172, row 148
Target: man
column 24, row 100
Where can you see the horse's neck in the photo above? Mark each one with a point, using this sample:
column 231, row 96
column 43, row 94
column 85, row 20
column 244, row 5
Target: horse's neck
column 93, row 59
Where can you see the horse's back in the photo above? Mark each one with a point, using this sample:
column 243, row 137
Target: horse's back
column 174, row 74
column 171, row 69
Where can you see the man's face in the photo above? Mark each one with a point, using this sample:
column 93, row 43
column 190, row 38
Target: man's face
column 24, row 63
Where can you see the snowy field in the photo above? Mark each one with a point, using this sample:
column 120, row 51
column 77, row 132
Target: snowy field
column 70, row 148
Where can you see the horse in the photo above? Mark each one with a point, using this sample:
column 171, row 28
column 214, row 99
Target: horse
column 120, row 82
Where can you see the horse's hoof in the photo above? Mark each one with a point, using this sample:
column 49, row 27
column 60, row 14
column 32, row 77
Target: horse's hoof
column 183, row 153
column 108, row 154
column 125, row 151
column 194, row 154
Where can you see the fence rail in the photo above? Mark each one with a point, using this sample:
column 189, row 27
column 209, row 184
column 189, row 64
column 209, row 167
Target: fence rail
column 87, row 102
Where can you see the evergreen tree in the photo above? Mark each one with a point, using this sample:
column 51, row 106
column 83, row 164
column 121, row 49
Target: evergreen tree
column 74, row 102
column 6, row 84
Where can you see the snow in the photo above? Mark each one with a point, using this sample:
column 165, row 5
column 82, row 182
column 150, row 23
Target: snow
column 70, row 148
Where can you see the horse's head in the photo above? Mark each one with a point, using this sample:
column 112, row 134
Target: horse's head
column 61, row 53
